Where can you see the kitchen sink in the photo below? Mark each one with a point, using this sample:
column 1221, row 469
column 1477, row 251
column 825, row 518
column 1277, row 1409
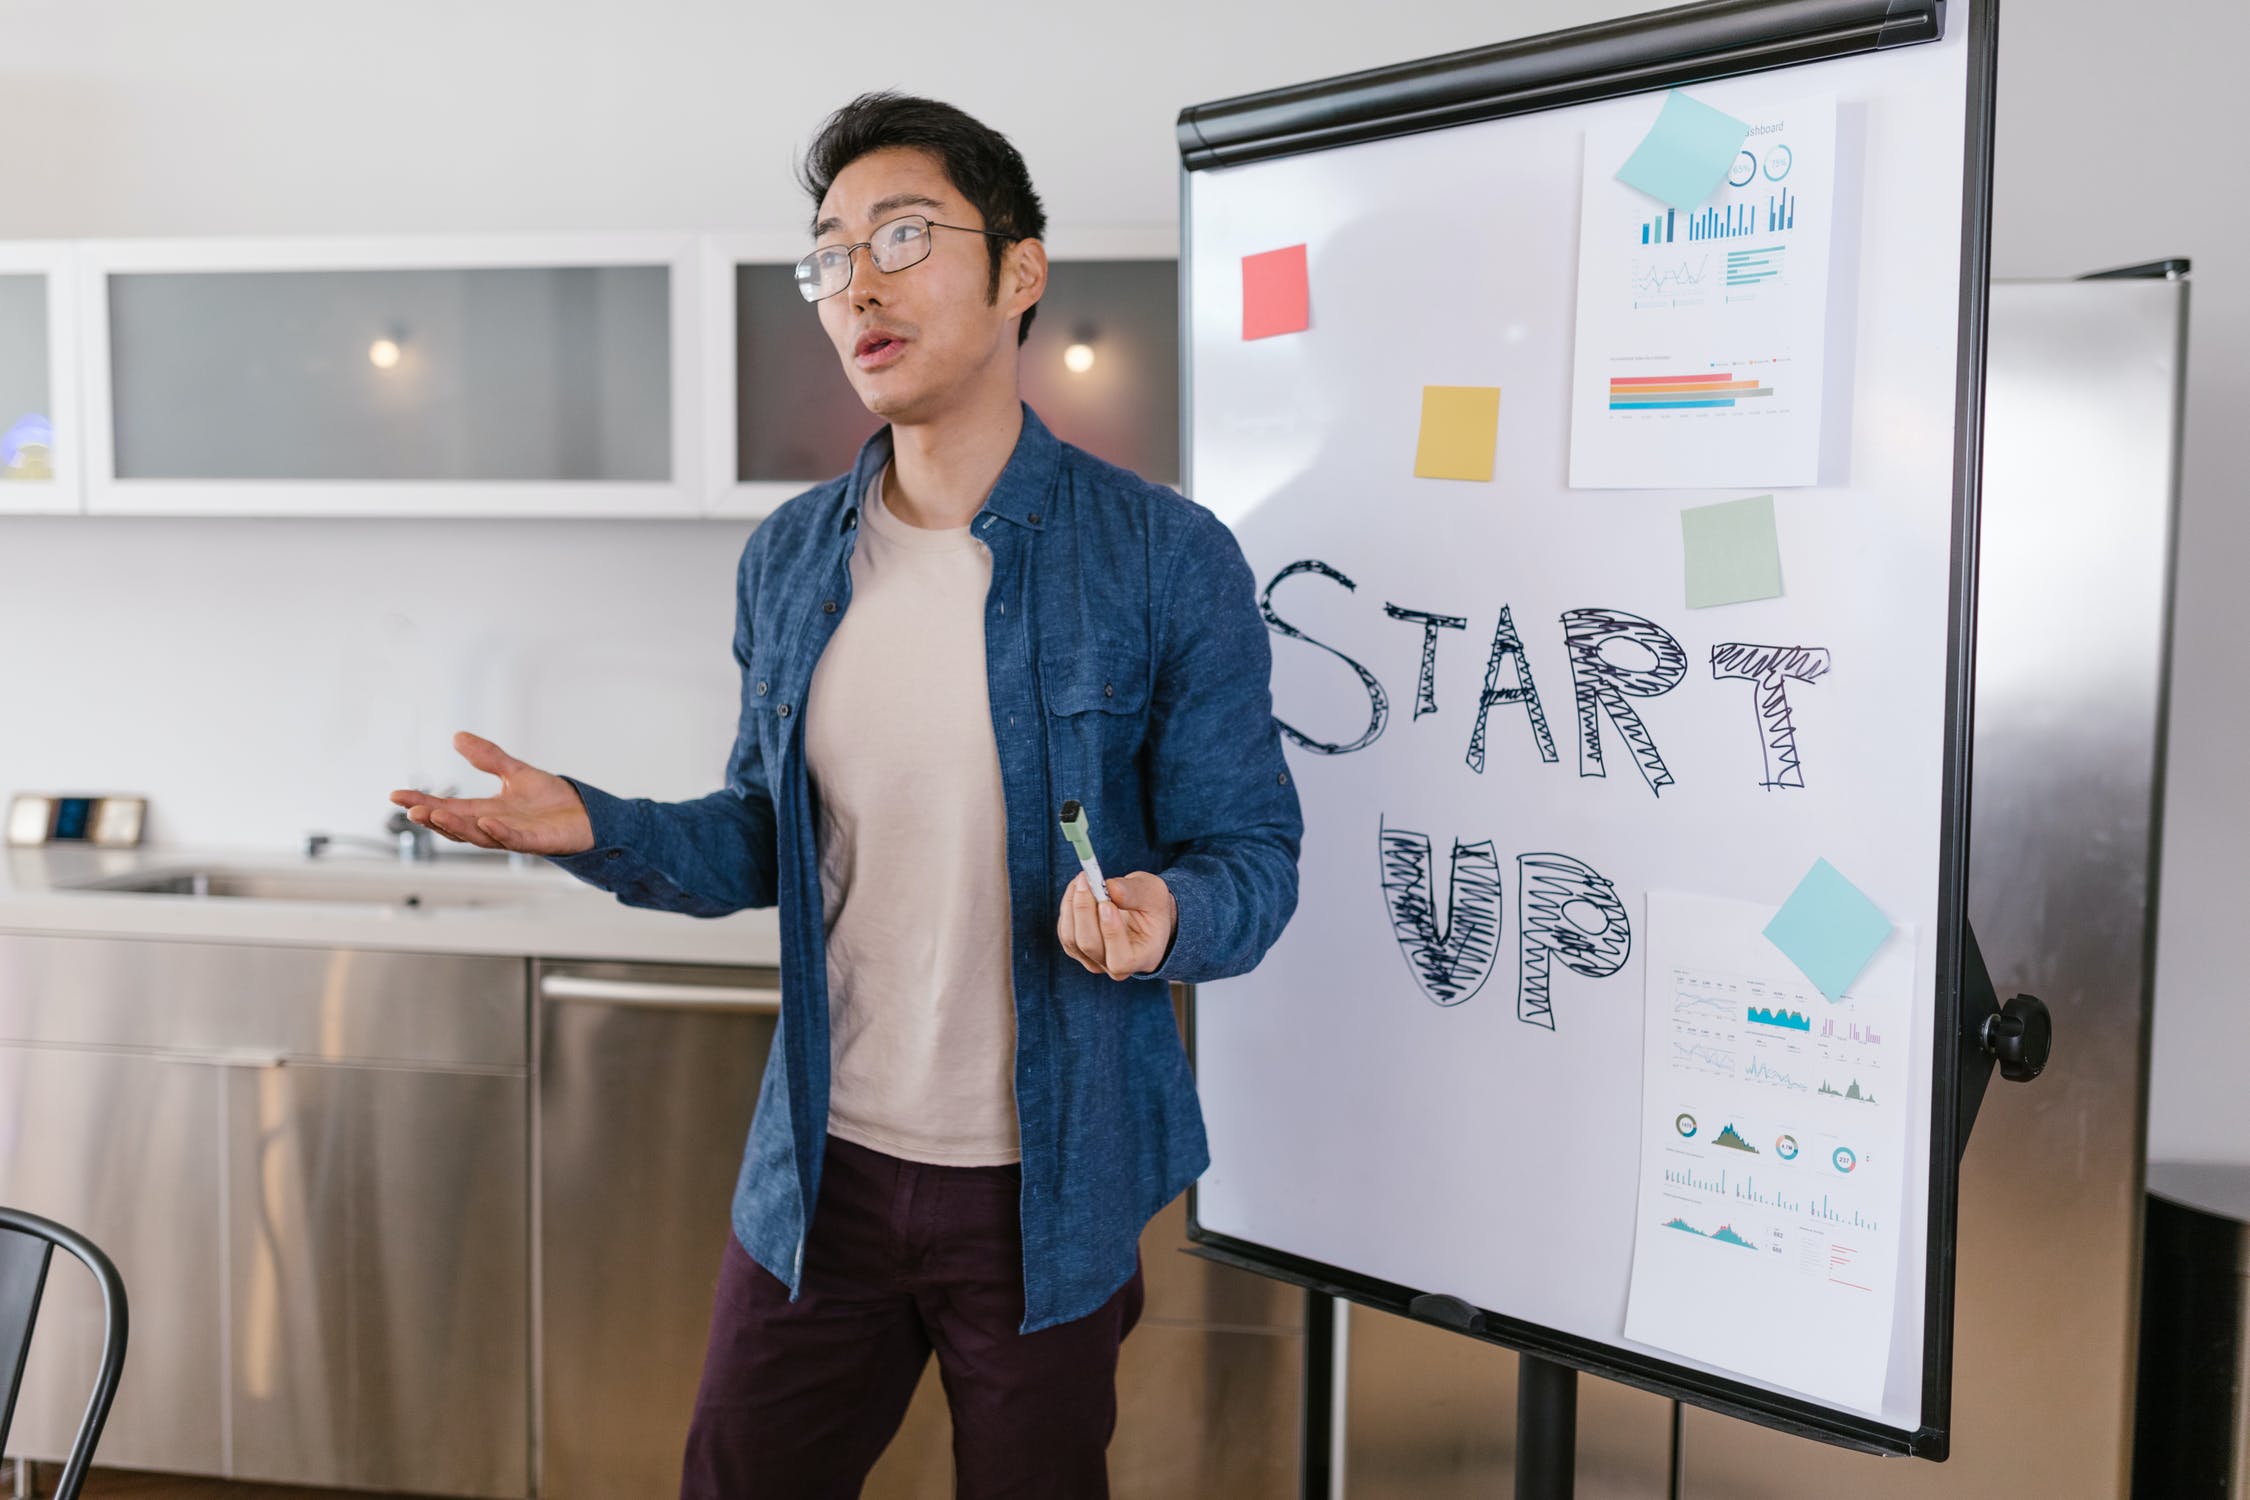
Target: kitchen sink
column 346, row 887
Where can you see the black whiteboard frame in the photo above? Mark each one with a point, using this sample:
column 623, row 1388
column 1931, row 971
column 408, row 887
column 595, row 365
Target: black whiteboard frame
column 1640, row 54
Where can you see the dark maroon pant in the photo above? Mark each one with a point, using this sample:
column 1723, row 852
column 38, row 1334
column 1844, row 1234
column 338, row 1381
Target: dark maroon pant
column 798, row 1399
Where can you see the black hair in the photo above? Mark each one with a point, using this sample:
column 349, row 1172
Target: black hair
column 983, row 167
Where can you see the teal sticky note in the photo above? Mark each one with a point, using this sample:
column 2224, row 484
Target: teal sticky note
column 1829, row 929
column 1686, row 153
column 1732, row 552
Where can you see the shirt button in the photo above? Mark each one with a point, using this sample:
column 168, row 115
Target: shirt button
column 828, row 606
column 761, row 690
column 1108, row 691
column 612, row 854
column 1281, row 778
column 783, row 710
column 1035, row 518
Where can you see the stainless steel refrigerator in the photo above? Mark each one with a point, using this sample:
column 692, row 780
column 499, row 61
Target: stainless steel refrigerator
column 2081, row 469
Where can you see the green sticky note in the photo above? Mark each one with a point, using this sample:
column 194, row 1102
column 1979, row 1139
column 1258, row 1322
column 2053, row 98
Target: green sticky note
column 1460, row 430
column 1686, row 153
column 1829, row 929
column 1732, row 552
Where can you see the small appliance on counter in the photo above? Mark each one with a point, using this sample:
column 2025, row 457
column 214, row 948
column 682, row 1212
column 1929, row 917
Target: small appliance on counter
column 75, row 818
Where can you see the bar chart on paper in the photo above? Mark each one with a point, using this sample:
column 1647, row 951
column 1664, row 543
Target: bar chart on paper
column 1693, row 322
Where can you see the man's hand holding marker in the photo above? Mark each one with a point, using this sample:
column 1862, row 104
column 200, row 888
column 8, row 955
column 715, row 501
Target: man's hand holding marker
column 1119, row 927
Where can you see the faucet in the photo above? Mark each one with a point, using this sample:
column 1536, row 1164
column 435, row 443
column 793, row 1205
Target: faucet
column 409, row 840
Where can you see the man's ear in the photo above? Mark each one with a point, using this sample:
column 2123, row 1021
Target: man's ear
column 1024, row 277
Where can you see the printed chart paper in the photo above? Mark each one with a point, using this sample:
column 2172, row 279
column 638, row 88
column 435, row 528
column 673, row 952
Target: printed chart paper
column 1701, row 332
column 1773, row 1171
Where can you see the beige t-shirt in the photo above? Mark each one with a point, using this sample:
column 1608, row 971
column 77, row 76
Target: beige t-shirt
column 913, row 853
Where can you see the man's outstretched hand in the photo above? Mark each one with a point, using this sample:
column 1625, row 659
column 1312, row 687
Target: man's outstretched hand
column 536, row 812
column 1126, row 935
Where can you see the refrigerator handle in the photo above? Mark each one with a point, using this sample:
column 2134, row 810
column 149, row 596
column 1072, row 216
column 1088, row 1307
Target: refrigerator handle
column 659, row 993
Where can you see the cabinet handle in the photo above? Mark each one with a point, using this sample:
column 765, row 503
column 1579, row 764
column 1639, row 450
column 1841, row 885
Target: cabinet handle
column 232, row 1059
column 659, row 993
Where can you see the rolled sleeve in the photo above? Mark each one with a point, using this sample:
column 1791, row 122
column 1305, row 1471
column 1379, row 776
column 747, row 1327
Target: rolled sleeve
column 1224, row 804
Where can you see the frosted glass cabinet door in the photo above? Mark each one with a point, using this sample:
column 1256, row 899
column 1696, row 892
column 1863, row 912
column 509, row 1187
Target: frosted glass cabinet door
column 1101, row 367
column 37, row 440
column 434, row 389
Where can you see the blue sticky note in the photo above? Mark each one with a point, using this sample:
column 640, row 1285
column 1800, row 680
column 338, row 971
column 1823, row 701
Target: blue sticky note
column 1829, row 929
column 1686, row 153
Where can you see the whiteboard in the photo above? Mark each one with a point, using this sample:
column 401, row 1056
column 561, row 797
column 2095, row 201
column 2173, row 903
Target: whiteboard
column 1368, row 1131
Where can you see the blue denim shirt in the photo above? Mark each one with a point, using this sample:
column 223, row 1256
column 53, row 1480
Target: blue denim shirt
column 1128, row 668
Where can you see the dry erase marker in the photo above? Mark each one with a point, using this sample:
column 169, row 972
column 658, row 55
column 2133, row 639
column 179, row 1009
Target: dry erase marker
column 1081, row 839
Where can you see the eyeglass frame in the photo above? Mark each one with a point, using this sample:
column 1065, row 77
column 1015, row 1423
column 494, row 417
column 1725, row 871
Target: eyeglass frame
column 851, row 253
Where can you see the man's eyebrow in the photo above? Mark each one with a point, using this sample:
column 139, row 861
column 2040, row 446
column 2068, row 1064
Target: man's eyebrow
column 877, row 209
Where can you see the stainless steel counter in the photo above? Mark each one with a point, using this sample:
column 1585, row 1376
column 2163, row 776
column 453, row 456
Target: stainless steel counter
column 535, row 910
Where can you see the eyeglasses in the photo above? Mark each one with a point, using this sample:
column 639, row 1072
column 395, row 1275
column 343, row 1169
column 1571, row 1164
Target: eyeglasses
column 894, row 246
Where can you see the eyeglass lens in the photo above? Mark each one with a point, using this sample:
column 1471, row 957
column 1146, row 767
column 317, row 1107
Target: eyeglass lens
column 893, row 247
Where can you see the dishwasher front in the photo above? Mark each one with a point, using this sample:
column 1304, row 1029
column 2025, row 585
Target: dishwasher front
column 647, row 1074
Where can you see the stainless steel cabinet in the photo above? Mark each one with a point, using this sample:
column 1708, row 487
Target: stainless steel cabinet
column 312, row 1168
column 377, row 1315
column 647, row 1078
column 125, row 1147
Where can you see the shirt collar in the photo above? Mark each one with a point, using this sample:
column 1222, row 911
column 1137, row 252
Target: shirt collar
column 1021, row 494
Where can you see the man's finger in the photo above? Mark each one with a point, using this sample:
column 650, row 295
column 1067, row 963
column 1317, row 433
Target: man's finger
column 1066, row 928
column 435, row 822
column 429, row 819
column 1133, row 890
column 1116, row 944
column 460, row 828
column 485, row 755
column 1086, row 927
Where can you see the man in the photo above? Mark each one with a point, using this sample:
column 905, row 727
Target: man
column 977, row 1078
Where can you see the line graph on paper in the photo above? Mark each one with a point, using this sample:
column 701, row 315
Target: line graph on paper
column 1696, row 1004
column 1704, row 1057
column 1760, row 1072
column 1674, row 283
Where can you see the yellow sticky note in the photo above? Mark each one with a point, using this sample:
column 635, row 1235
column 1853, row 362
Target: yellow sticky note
column 1460, row 428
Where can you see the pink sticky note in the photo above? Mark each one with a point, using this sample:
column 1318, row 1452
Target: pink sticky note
column 1274, row 294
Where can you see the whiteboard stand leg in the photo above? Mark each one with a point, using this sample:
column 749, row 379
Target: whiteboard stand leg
column 1315, row 1435
column 1546, row 1429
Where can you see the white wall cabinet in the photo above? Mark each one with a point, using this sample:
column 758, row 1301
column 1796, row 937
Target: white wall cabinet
column 783, row 415
column 428, row 377
column 574, row 375
column 40, row 452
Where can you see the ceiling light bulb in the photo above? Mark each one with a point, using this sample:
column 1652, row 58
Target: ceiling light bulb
column 383, row 353
column 1078, row 358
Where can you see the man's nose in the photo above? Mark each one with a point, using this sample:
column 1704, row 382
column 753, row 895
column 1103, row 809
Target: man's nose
column 866, row 276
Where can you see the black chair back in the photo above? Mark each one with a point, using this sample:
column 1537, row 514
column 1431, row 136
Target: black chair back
column 27, row 1244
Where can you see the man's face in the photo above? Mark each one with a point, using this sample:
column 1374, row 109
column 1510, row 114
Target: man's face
column 912, row 341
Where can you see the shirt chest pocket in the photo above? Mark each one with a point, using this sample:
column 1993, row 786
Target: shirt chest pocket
column 1105, row 675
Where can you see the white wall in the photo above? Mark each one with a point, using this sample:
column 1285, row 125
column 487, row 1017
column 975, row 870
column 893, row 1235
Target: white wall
column 256, row 677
